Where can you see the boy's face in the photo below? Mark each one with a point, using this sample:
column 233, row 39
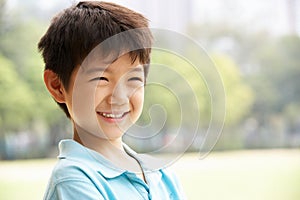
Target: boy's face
column 106, row 99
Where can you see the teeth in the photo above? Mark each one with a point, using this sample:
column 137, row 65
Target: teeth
column 111, row 115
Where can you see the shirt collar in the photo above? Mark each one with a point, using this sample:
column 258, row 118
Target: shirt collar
column 72, row 150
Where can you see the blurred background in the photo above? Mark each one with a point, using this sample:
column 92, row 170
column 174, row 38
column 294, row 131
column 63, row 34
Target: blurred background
column 256, row 48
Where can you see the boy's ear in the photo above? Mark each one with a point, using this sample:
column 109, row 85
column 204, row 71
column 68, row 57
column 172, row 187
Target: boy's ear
column 54, row 86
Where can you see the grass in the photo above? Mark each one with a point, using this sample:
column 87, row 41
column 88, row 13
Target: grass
column 243, row 175
column 240, row 175
column 24, row 179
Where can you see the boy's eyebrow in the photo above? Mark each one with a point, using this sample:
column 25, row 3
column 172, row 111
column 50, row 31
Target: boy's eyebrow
column 97, row 69
column 136, row 69
column 106, row 69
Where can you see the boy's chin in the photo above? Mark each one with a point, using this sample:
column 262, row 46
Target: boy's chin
column 106, row 133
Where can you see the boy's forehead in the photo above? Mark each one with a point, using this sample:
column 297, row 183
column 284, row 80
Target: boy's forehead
column 124, row 62
column 97, row 59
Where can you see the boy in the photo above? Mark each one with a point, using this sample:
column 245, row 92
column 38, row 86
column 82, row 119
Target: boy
column 96, row 58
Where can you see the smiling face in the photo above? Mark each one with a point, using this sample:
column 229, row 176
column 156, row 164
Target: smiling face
column 104, row 100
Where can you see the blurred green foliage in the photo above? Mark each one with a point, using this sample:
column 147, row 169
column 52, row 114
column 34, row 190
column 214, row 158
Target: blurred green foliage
column 17, row 100
column 27, row 112
column 270, row 66
column 239, row 95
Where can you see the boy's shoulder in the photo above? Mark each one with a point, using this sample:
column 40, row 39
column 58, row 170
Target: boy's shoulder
column 69, row 170
column 71, row 179
column 74, row 163
column 77, row 161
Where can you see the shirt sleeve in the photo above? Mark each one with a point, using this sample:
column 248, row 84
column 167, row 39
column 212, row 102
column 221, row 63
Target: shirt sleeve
column 74, row 189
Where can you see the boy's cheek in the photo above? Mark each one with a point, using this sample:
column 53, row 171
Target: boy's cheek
column 137, row 100
column 83, row 106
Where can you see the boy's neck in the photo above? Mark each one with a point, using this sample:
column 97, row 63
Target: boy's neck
column 101, row 145
column 112, row 150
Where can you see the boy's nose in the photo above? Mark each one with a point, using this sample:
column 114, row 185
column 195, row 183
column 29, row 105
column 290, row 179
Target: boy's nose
column 119, row 96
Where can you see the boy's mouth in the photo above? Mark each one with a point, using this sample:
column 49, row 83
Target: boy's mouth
column 113, row 115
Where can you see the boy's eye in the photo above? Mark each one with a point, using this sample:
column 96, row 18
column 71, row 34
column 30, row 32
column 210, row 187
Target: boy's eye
column 136, row 79
column 100, row 79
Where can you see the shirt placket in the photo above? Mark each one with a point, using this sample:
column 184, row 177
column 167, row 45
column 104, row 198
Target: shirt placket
column 139, row 185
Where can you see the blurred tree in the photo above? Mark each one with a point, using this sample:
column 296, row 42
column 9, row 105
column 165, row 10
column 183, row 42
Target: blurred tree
column 239, row 95
column 20, row 58
column 182, row 91
column 279, row 75
column 16, row 100
column 270, row 65
column 244, row 47
column 279, row 89
column 179, row 88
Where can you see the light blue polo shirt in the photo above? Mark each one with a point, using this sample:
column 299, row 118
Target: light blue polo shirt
column 83, row 174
